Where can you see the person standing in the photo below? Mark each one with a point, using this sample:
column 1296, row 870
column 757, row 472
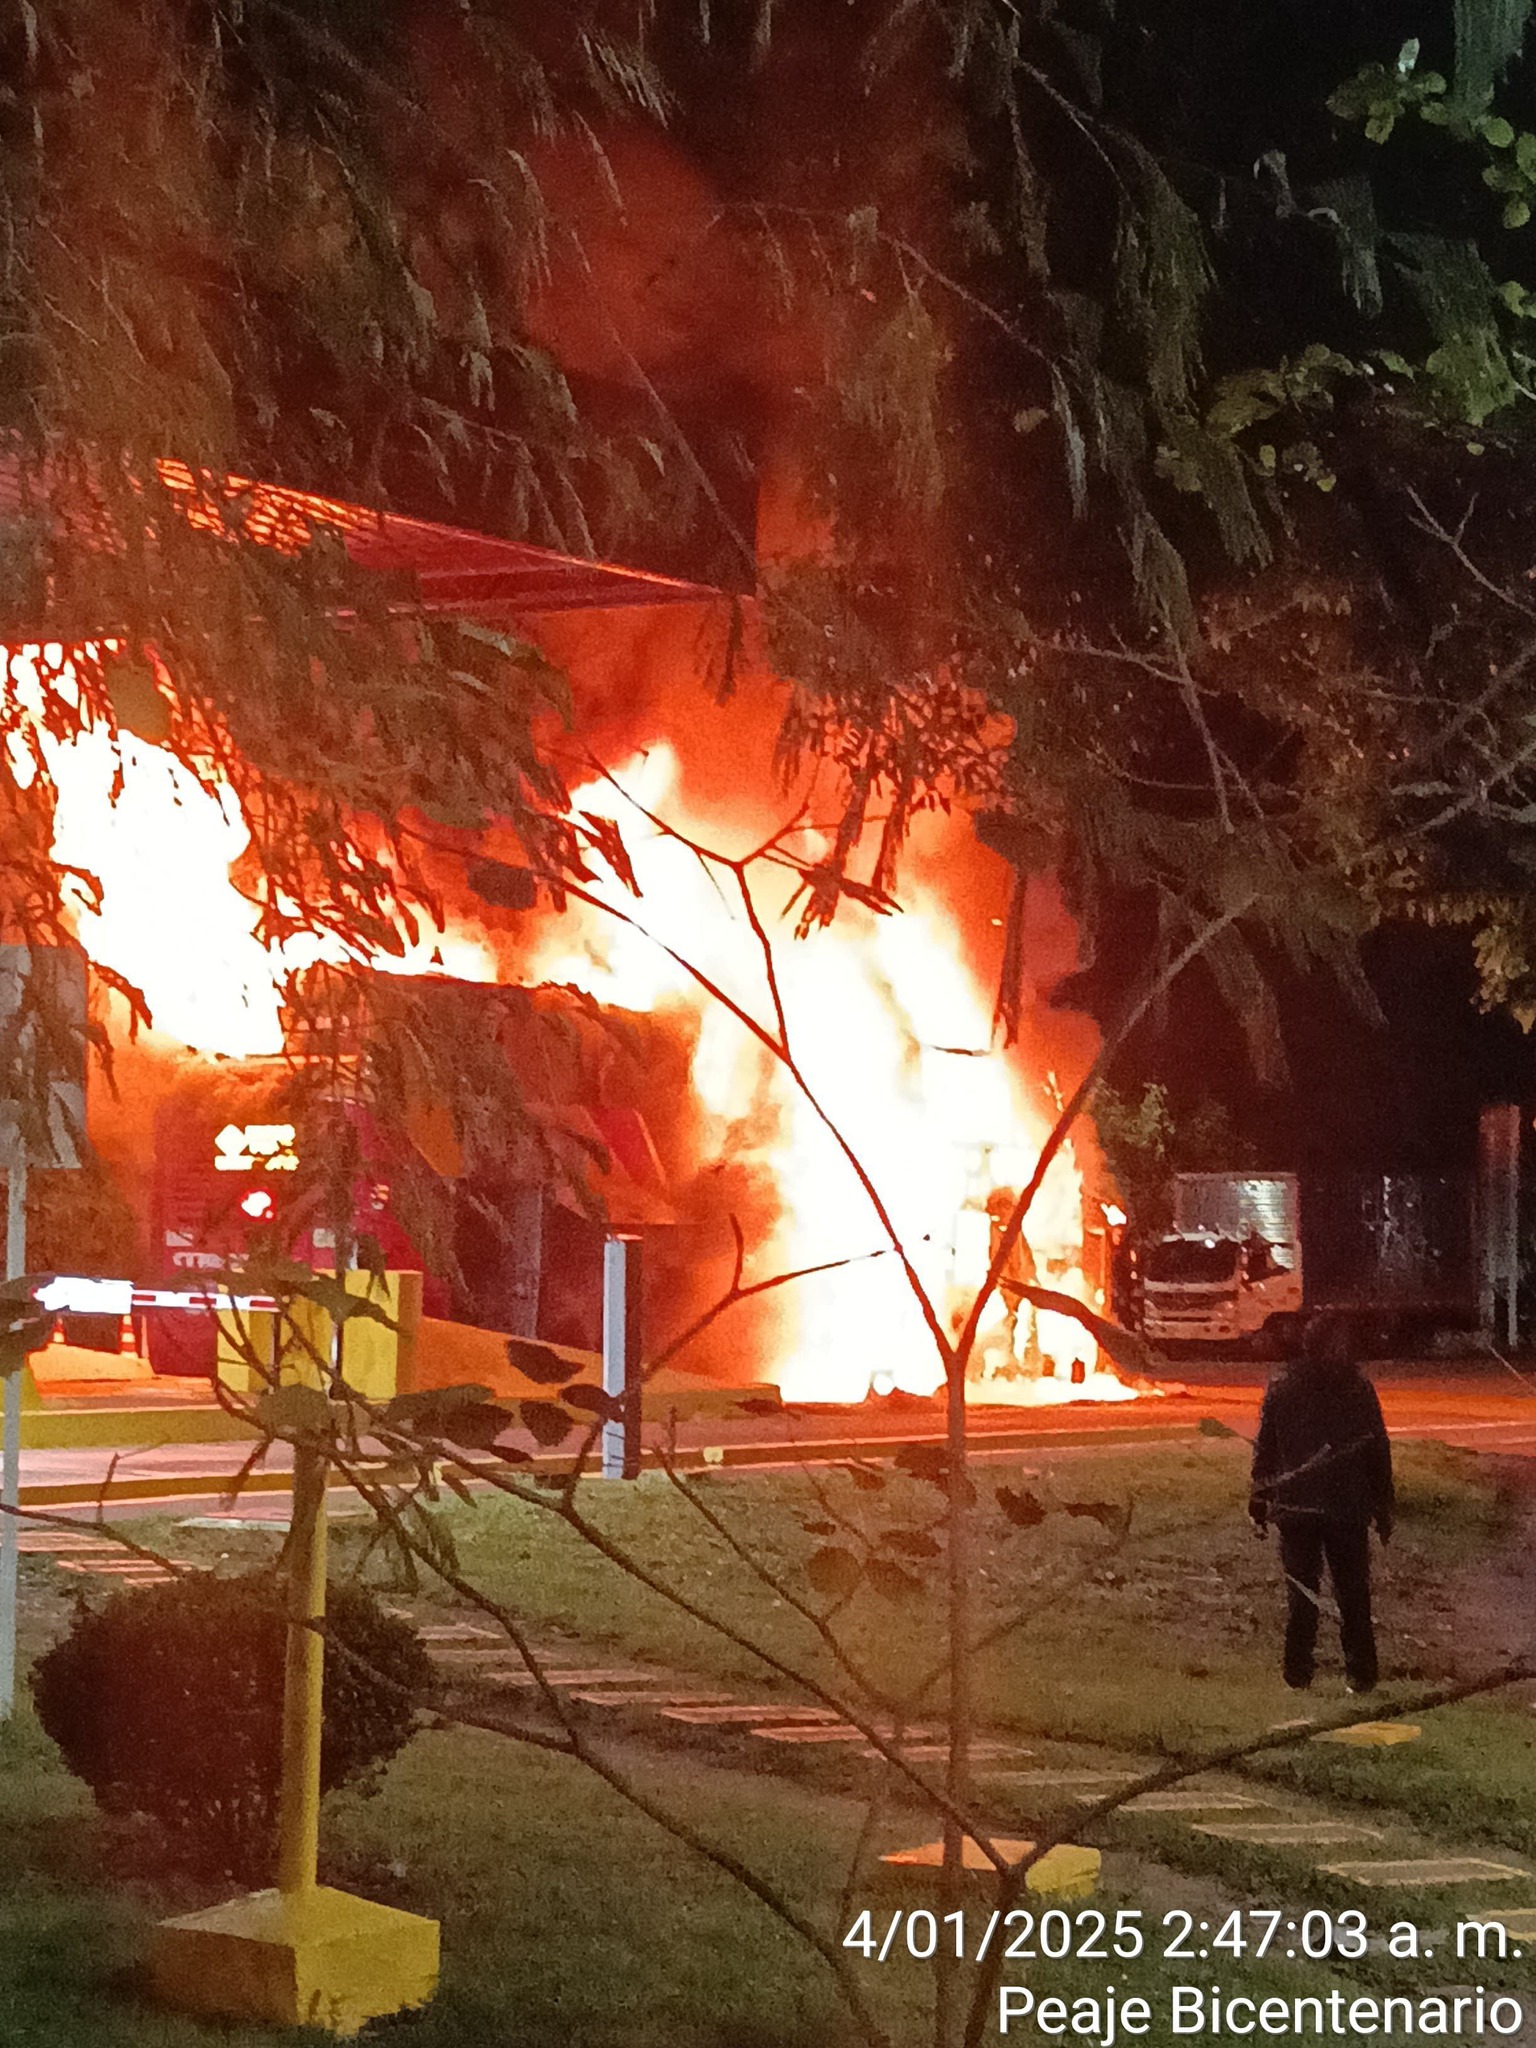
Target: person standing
column 1322, row 1473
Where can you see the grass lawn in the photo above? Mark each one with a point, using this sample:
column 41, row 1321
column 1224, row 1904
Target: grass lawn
column 1165, row 1641
column 569, row 1918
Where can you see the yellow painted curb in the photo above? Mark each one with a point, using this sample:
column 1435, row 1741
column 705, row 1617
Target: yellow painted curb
column 1068, row 1871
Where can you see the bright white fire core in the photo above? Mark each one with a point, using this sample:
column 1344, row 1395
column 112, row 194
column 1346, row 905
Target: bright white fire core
column 893, row 1036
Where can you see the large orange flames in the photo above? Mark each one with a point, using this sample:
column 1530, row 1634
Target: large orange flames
column 158, row 841
column 891, row 1028
column 893, row 1037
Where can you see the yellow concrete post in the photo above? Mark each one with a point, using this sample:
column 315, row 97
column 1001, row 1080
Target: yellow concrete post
column 298, row 1839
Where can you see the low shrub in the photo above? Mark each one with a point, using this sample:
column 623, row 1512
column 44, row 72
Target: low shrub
column 167, row 1700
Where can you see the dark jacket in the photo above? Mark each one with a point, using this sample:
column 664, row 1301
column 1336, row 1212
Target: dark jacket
column 1322, row 1447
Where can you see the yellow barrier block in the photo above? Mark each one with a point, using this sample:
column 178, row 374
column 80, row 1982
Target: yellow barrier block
column 1069, row 1871
column 1372, row 1734
column 377, row 1358
column 318, row 1958
column 241, row 1332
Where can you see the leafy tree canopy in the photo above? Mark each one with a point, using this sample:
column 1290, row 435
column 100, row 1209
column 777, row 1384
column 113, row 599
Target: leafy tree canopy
column 1126, row 374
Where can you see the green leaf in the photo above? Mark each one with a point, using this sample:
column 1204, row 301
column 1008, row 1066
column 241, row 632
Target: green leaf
column 476, row 1427
column 293, row 1410
column 283, row 1278
column 139, row 705
column 1124, row 1346
column 423, row 1407
column 1076, row 447
column 339, row 1301
column 537, row 1362
column 891, row 1580
column 592, row 1400
column 929, row 1462
column 833, row 1572
column 544, row 1422
column 1022, row 1509
column 1496, row 131
column 1516, row 213
column 24, row 1289
column 20, row 1335
column 1104, row 1512
column 501, row 885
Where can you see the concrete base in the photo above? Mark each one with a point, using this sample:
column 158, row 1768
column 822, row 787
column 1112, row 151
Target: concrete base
column 320, row 1959
column 1371, row 1734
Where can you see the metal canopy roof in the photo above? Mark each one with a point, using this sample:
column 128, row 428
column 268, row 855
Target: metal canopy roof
column 455, row 569
column 449, row 568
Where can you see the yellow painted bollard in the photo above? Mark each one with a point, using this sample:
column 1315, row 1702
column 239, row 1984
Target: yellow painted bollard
column 301, row 1954
column 298, row 1822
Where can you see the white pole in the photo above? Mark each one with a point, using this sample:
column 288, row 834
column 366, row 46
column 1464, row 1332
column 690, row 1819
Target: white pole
column 621, row 1356
column 10, row 1470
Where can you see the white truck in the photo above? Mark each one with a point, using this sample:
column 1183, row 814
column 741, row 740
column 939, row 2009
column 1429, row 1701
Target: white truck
column 1231, row 1262
column 1393, row 1253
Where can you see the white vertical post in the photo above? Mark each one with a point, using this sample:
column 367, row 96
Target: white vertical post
column 621, row 1356
column 10, row 1469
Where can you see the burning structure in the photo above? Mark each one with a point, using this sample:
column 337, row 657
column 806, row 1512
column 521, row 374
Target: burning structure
column 758, row 1103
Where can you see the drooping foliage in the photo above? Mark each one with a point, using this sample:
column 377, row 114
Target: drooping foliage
column 1102, row 367
column 1226, row 347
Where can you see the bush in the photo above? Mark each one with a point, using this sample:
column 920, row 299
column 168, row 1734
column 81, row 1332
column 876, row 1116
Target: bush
column 167, row 1700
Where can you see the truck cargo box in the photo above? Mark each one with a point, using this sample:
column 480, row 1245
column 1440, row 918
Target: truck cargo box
column 1401, row 1241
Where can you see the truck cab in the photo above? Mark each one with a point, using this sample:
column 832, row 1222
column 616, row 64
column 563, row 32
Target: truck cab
column 1200, row 1287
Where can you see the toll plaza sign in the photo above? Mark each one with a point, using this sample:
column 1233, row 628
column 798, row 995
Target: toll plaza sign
column 255, row 1148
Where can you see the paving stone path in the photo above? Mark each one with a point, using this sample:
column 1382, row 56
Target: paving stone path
column 102, row 1557
column 1278, row 1821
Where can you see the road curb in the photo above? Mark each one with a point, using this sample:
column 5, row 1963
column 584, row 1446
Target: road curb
column 701, row 1458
